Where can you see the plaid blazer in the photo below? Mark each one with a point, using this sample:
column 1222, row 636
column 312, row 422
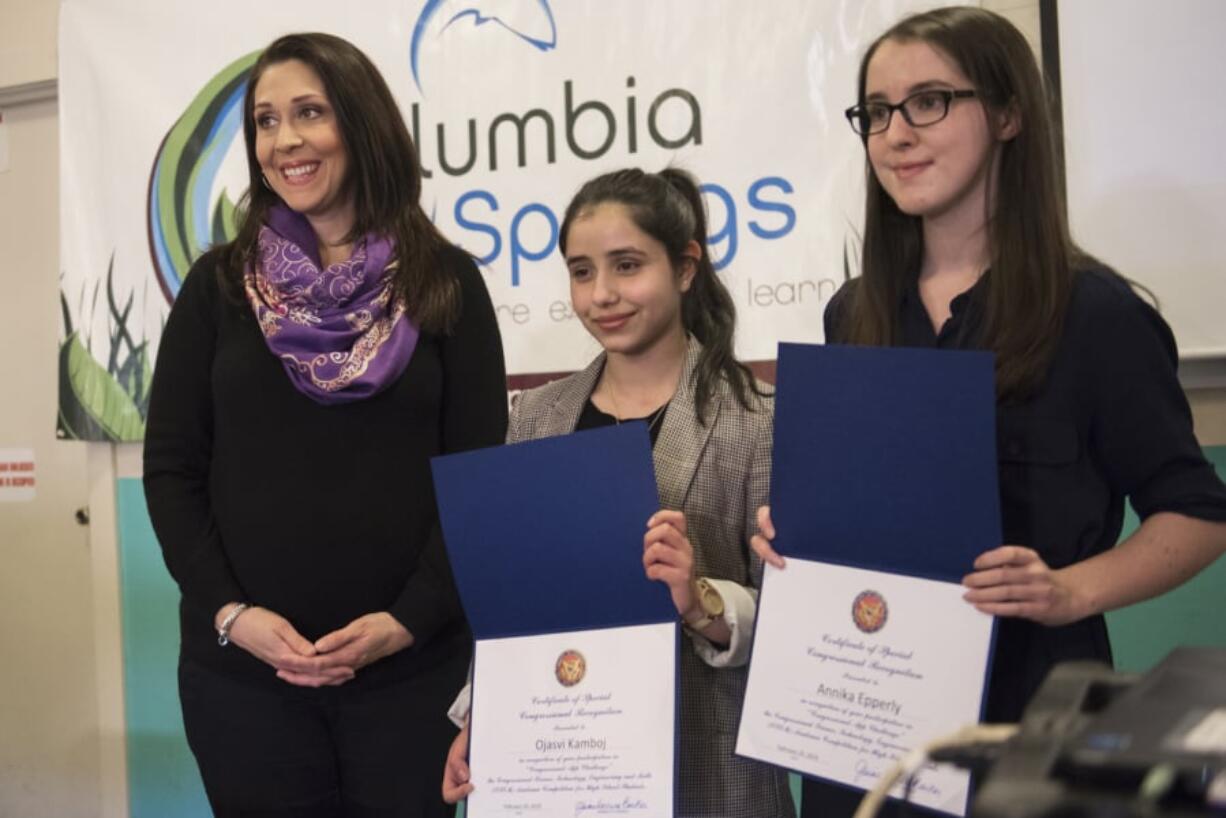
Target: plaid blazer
column 717, row 473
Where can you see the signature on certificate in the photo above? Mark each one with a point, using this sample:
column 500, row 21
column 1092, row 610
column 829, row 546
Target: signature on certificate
column 866, row 771
column 626, row 806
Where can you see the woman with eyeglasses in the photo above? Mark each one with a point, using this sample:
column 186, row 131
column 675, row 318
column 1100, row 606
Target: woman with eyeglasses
column 967, row 246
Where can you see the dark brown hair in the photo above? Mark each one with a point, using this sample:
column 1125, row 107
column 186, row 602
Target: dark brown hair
column 384, row 176
column 1032, row 256
column 668, row 207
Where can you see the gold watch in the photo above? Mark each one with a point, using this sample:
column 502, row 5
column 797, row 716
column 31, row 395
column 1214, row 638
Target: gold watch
column 710, row 601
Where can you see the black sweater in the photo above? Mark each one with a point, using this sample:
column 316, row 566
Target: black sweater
column 319, row 513
column 1109, row 422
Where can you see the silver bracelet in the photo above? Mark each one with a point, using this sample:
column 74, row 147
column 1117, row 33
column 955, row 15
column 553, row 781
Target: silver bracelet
column 223, row 633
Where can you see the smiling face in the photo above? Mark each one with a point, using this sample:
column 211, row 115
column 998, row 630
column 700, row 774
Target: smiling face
column 623, row 285
column 941, row 169
column 299, row 147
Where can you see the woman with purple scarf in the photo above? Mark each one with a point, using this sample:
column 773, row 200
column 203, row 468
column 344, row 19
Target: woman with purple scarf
column 307, row 373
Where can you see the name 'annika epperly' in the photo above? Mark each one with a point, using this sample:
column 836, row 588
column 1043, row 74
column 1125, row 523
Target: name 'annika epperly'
column 892, row 706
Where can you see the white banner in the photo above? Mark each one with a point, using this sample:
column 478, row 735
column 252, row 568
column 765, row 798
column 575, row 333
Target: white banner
column 514, row 103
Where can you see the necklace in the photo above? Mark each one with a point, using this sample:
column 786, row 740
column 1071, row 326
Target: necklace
column 655, row 418
column 651, row 419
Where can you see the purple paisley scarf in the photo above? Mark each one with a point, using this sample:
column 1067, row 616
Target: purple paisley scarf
column 340, row 332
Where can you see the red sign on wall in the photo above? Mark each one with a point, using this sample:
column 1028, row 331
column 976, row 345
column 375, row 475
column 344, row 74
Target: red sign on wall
column 17, row 478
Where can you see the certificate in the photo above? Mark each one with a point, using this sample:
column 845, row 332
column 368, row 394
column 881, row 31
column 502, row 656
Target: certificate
column 575, row 663
column 564, row 736
column 883, row 492
column 853, row 668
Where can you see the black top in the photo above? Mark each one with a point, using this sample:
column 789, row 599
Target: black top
column 593, row 418
column 319, row 513
column 1110, row 421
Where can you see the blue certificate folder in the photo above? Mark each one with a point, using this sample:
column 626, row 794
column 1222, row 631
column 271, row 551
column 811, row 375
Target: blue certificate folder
column 886, row 458
column 883, row 490
column 547, row 536
column 575, row 666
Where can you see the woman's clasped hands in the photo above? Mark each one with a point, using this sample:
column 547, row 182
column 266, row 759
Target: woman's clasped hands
column 333, row 659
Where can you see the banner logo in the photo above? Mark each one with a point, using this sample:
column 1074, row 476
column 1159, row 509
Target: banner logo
column 184, row 216
column 533, row 25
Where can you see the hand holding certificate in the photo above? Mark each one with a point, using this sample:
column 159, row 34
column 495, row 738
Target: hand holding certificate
column 574, row 704
column 883, row 493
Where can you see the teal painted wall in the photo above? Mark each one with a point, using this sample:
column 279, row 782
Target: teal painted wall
column 1190, row 615
column 162, row 775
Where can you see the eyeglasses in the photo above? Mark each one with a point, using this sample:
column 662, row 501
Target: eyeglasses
column 921, row 109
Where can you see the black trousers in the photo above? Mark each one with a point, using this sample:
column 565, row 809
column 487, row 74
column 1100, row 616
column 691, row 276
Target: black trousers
column 333, row 752
column 823, row 799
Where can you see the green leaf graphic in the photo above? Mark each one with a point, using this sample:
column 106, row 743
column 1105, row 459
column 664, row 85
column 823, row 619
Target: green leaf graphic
column 135, row 376
column 225, row 219
column 93, row 406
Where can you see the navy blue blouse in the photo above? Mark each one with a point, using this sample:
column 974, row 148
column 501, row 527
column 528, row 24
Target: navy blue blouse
column 1110, row 422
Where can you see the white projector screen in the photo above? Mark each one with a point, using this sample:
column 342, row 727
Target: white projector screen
column 1144, row 129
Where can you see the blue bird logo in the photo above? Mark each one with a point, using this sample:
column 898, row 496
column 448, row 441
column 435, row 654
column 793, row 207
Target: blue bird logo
column 533, row 25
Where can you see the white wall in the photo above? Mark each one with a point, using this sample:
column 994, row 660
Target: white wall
column 1146, row 185
column 27, row 41
column 61, row 747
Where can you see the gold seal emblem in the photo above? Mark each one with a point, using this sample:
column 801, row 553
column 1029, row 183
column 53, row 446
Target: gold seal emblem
column 869, row 611
column 570, row 668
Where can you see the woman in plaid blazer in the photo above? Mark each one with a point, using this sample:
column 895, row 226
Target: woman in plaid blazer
column 643, row 285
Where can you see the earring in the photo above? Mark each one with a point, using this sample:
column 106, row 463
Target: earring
column 265, row 178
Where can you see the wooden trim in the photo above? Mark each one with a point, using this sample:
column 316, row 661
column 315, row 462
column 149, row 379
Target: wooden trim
column 1049, row 49
column 28, row 92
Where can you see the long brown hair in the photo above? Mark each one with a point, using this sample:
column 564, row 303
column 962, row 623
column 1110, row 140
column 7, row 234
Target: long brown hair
column 668, row 207
column 384, row 176
column 1032, row 257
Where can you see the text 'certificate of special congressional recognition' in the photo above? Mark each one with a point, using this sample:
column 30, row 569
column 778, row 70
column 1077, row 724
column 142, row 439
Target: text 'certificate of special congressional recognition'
column 883, row 492
column 575, row 666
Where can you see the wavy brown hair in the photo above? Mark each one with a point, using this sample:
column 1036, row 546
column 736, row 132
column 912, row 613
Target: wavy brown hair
column 1032, row 257
column 384, row 176
column 668, row 207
